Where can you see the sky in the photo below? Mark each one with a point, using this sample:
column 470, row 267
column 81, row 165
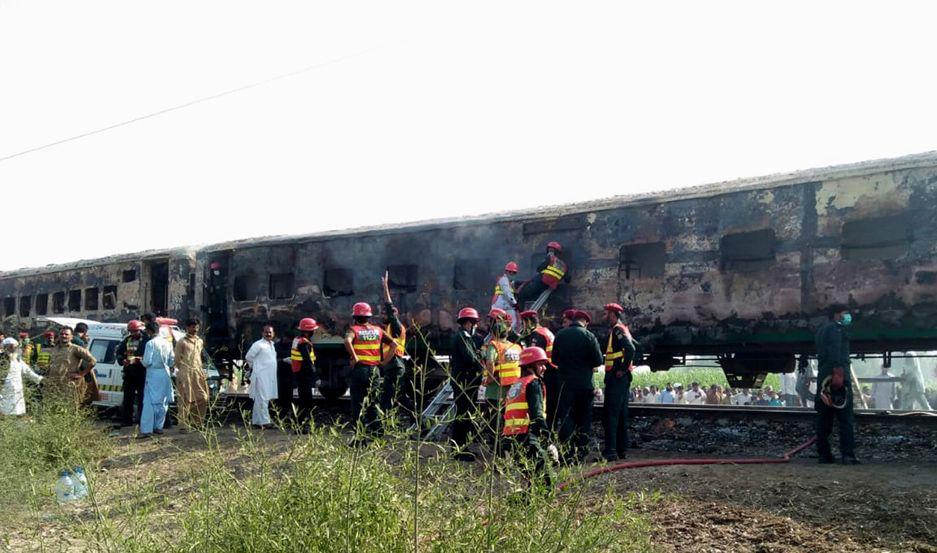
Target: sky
column 403, row 111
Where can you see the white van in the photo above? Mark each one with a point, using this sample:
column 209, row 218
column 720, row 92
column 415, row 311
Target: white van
column 104, row 338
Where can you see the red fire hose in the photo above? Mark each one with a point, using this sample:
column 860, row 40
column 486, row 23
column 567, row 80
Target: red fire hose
column 670, row 462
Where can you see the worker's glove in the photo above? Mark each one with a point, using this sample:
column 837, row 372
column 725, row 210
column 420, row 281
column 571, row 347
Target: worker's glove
column 553, row 453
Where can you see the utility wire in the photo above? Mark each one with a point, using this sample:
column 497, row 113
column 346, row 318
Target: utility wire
column 188, row 104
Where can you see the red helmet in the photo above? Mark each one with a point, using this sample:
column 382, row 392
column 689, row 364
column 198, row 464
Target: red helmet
column 556, row 246
column 614, row 308
column 511, row 266
column 135, row 325
column 569, row 314
column 468, row 313
column 23, row 335
column 308, row 324
column 361, row 309
column 215, row 265
column 497, row 314
column 529, row 314
column 49, row 334
column 534, row 355
column 583, row 315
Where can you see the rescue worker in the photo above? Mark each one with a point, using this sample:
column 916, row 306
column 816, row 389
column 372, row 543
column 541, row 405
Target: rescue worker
column 262, row 359
column 12, row 371
column 576, row 353
column 364, row 342
column 129, row 354
column 396, row 367
column 619, row 363
column 71, row 372
column 25, row 346
column 503, row 297
column 502, row 368
column 541, row 337
column 568, row 317
column 285, row 386
column 191, row 380
column 80, row 337
column 158, row 357
column 550, row 273
column 834, row 399
column 303, row 366
column 525, row 426
column 466, row 368
column 42, row 352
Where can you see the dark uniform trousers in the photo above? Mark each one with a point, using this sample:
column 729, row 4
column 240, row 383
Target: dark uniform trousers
column 133, row 385
column 616, row 414
column 397, row 387
column 465, row 394
column 551, row 381
column 365, row 396
column 534, row 461
column 285, row 387
column 574, row 417
column 844, row 417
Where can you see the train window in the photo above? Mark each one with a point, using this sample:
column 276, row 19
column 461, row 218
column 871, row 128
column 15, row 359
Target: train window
column 58, row 302
column 26, row 305
column 338, row 282
column 91, row 299
column 9, row 307
column 642, row 260
column 128, row 275
column 281, row 286
column 109, row 299
column 245, row 287
column 877, row 237
column 74, row 300
column 748, row 251
column 472, row 274
column 402, row 277
column 42, row 304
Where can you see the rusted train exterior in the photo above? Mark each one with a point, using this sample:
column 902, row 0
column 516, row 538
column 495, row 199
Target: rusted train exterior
column 741, row 270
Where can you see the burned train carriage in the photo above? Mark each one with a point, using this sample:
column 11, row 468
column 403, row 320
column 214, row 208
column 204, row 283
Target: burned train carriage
column 743, row 271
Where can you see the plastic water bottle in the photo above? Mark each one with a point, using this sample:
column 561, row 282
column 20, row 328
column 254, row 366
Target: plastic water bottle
column 80, row 482
column 65, row 488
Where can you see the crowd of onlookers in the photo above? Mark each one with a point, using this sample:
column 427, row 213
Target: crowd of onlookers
column 715, row 394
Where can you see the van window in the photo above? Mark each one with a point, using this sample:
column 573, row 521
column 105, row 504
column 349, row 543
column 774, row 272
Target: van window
column 104, row 350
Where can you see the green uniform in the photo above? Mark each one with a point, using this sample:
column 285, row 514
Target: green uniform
column 576, row 353
column 617, row 388
column 833, row 351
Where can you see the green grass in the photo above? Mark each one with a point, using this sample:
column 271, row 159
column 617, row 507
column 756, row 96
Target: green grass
column 705, row 377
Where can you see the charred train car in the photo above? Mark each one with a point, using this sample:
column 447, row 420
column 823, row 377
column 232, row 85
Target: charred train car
column 742, row 271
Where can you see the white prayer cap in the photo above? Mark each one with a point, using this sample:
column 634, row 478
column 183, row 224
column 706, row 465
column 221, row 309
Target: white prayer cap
column 9, row 342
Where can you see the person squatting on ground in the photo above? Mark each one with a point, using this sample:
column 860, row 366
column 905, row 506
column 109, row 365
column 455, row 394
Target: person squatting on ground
column 158, row 357
column 466, row 368
column 502, row 368
column 191, row 379
column 834, row 398
column 525, row 427
column 364, row 342
column 12, row 371
column 129, row 354
column 576, row 353
column 619, row 363
column 262, row 359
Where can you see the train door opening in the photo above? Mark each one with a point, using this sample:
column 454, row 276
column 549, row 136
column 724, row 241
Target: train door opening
column 159, row 287
column 218, row 268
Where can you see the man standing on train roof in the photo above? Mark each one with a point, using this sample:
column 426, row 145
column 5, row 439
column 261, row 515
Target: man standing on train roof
column 158, row 357
column 619, row 363
column 502, row 368
column 262, row 359
column 303, row 373
column 550, row 273
column 364, row 343
column 536, row 335
column 503, row 297
column 129, row 354
column 576, row 353
column 191, row 379
column 396, row 367
column 525, row 426
column 834, row 399
column 466, row 368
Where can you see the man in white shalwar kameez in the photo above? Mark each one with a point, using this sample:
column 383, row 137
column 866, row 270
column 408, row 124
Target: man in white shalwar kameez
column 262, row 358
column 12, row 371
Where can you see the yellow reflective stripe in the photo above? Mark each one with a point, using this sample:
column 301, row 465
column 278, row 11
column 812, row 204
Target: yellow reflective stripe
column 369, row 358
column 554, row 271
column 365, row 347
column 616, row 355
column 517, row 406
column 296, row 356
column 517, row 422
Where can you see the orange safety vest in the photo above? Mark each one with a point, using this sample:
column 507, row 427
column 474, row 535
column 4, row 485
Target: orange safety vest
column 554, row 272
column 296, row 358
column 516, row 410
column 508, row 363
column 610, row 354
column 548, row 336
column 401, row 341
column 367, row 343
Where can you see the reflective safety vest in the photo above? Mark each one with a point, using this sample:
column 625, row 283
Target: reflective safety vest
column 43, row 357
column 508, row 363
column 554, row 272
column 296, row 358
column 367, row 343
column 548, row 336
column 610, row 354
column 516, row 410
column 401, row 341
column 498, row 291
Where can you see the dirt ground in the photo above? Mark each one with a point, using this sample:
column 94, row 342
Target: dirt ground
column 802, row 506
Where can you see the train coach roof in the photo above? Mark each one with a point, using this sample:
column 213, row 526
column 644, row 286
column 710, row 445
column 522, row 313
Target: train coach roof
column 927, row 159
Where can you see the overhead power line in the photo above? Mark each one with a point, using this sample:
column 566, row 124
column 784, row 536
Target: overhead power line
column 188, row 104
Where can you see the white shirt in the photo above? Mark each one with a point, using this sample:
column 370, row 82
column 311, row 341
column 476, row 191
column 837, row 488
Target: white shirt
column 695, row 398
column 788, row 384
column 883, row 393
column 262, row 357
column 742, row 399
column 506, row 300
column 12, row 401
